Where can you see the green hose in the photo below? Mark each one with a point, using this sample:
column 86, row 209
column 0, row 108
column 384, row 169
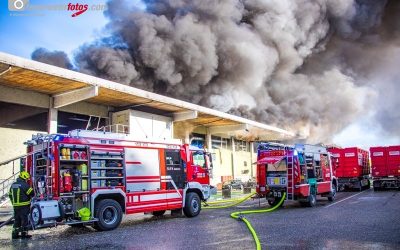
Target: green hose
column 238, row 215
column 229, row 205
column 223, row 201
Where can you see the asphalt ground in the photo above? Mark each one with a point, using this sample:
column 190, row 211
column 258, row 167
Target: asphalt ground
column 366, row 220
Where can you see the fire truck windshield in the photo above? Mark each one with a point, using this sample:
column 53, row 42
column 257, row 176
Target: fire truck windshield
column 198, row 159
column 279, row 166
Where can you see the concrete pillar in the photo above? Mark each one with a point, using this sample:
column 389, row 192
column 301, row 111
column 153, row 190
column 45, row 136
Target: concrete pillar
column 187, row 136
column 52, row 119
column 233, row 156
column 208, row 140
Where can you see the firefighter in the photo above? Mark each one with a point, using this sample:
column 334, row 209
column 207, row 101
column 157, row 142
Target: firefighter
column 20, row 195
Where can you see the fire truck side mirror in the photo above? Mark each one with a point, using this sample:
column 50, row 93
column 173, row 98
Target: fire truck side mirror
column 22, row 164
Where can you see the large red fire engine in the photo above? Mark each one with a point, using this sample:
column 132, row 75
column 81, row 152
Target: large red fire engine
column 302, row 172
column 96, row 177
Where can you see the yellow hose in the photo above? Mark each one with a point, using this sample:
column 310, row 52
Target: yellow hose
column 238, row 215
column 229, row 205
column 223, row 201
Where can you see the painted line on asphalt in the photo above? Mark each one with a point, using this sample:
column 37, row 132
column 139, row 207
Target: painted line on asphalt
column 346, row 199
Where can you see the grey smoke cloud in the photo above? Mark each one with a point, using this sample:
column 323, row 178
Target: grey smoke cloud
column 56, row 58
column 308, row 66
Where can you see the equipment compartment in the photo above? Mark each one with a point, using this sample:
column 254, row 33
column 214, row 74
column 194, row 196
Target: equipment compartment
column 107, row 169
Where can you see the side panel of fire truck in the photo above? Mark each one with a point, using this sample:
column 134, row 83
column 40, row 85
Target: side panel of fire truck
column 146, row 181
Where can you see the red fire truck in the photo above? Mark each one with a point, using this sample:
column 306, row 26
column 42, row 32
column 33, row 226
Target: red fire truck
column 91, row 177
column 385, row 163
column 351, row 167
column 302, row 171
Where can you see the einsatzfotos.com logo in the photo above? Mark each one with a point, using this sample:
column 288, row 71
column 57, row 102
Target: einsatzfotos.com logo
column 17, row 5
column 79, row 8
column 76, row 8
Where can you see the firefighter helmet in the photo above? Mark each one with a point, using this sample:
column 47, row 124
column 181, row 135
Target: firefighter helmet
column 24, row 175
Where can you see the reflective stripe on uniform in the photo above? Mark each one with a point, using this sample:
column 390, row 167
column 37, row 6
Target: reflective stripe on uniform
column 29, row 191
column 18, row 194
column 12, row 196
column 25, row 203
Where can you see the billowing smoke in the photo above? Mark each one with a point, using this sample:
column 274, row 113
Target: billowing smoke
column 369, row 52
column 310, row 66
column 56, row 58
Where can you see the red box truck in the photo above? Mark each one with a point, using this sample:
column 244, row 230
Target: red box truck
column 352, row 167
column 385, row 163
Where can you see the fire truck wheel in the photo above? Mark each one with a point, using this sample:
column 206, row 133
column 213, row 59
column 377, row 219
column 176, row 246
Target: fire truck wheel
column 192, row 205
column 109, row 213
column 360, row 188
column 332, row 195
column 274, row 202
column 36, row 215
column 312, row 200
column 158, row 213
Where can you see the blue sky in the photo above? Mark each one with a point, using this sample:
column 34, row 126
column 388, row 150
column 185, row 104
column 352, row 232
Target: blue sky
column 55, row 30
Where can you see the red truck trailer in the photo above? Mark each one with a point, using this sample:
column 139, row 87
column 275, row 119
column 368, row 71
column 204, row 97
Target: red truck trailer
column 91, row 177
column 302, row 172
column 352, row 167
column 385, row 163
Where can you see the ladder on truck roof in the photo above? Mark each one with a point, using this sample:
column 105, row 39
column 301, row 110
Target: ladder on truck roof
column 273, row 146
column 290, row 177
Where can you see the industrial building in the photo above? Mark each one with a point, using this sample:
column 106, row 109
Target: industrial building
column 40, row 98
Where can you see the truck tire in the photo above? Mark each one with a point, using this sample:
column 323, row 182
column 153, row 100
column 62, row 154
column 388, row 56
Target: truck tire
column 368, row 185
column 274, row 202
column 36, row 215
column 109, row 214
column 192, row 205
column 332, row 195
column 361, row 186
column 158, row 213
column 312, row 200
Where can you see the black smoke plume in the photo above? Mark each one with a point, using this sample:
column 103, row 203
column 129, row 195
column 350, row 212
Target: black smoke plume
column 310, row 66
column 56, row 58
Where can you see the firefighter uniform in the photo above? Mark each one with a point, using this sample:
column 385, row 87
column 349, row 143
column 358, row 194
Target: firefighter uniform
column 20, row 195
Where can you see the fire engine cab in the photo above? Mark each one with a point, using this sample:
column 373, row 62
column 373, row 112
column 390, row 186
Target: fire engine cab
column 92, row 177
column 300, row 171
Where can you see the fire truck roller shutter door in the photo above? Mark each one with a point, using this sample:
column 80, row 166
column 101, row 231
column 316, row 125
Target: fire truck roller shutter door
column 142, row 169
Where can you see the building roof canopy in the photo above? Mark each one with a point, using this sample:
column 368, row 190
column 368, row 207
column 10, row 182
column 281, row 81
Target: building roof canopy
column 16, row 72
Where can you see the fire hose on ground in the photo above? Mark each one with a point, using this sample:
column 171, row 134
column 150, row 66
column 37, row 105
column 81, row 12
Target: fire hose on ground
column 235, row 202
column 239, row 214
